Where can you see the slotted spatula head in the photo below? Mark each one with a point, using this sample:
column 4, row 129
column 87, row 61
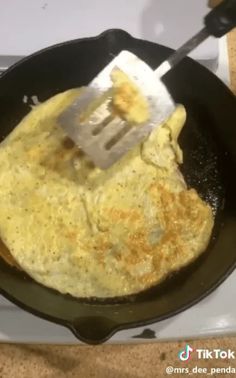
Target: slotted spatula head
column 106, row 137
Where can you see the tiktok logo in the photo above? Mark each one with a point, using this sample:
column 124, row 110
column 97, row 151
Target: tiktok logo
column 184, row 355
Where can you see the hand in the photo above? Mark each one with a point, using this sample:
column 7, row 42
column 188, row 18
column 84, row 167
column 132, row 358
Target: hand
column 214, row 3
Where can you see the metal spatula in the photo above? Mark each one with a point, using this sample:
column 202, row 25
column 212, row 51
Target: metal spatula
column 106, row 137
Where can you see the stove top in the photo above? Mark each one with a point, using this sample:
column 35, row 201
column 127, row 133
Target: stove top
column 213, row 316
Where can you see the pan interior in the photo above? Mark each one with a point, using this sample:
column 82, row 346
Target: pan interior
column 201, row 157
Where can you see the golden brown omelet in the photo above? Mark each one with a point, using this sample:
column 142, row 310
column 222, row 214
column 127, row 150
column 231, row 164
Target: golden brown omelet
column 88, row 232
column 127, row 100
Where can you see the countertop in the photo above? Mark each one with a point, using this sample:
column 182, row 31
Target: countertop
column 232, row 59
column 114, row 361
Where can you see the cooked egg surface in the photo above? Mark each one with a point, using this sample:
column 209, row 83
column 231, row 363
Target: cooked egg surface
column 94, row 233
column 128, row 100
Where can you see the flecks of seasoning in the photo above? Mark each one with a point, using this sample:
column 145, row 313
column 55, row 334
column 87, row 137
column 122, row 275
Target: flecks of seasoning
column 90, row 164
column 79, row 153
column 67, row 143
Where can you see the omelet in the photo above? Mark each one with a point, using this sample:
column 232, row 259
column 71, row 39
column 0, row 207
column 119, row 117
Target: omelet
column 127, row 99
column 94, row 233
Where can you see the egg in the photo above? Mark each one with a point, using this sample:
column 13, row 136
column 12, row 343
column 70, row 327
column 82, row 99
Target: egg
column 127, row 100
column 97, row 233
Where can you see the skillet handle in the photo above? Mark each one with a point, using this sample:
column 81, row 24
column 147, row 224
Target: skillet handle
column 93, row 329
column 222, row 19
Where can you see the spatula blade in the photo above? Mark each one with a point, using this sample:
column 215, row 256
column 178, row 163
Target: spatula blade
column 161, row 106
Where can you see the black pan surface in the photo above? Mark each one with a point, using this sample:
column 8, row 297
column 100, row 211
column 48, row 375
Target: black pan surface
column 209, row 144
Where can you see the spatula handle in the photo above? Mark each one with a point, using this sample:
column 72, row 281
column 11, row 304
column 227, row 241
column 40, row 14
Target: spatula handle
column 218, row 22
column 221, row 19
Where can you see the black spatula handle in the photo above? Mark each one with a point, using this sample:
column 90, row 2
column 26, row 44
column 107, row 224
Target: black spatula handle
column 221, row 19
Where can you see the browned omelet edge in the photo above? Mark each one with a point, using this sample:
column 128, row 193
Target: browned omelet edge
column 5, row 254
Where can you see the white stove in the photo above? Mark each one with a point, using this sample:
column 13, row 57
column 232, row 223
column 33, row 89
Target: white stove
column 40, row 23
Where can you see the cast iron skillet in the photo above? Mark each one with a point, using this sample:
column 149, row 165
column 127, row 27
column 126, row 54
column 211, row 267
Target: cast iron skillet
column 209, row 143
